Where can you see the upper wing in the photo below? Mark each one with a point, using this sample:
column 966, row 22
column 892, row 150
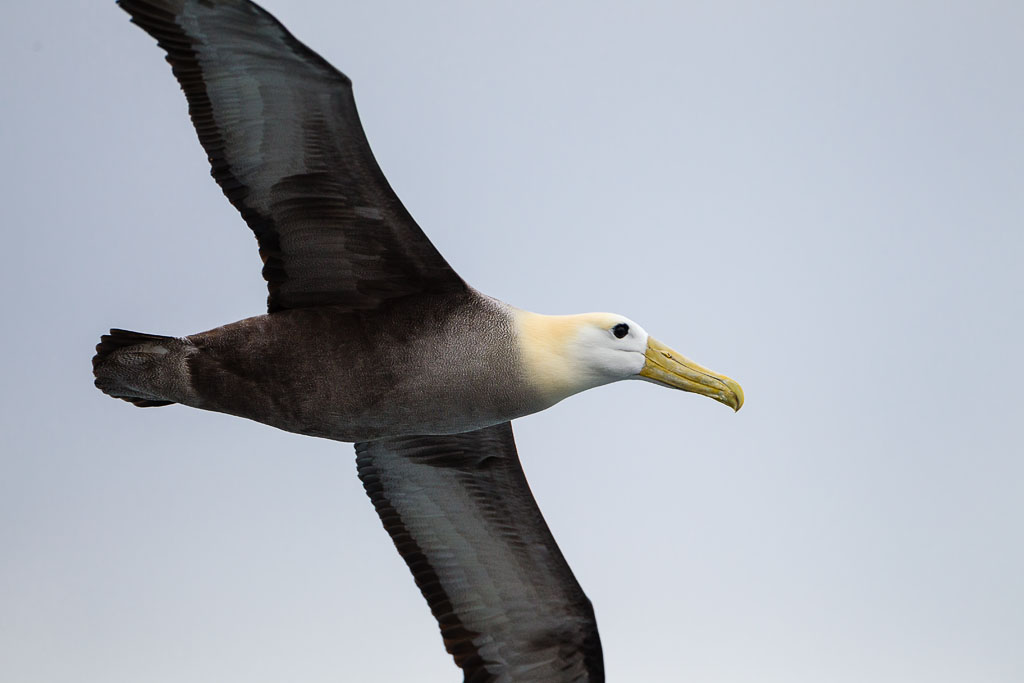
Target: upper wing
column 461, row 514
column 280, row 127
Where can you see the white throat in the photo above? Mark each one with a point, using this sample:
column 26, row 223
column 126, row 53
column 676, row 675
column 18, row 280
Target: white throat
column 563, row 355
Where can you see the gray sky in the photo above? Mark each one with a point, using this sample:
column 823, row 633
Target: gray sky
column 823, row 200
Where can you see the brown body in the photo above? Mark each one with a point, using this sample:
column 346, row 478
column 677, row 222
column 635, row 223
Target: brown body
column 421, row 365
column 372, row 337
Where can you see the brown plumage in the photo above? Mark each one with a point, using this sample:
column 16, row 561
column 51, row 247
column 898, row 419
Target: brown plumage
column 371, row 337
column 359, row 301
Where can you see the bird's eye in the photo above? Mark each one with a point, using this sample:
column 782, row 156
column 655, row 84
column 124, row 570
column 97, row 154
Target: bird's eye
column 620, row 330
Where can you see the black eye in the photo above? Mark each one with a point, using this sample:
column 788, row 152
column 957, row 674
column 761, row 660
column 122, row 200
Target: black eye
column 620, row 330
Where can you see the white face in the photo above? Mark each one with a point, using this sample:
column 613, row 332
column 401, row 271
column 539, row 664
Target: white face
column 565, row 354
column 607, row 348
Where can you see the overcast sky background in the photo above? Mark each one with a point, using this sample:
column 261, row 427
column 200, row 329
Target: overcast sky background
column 822, row 200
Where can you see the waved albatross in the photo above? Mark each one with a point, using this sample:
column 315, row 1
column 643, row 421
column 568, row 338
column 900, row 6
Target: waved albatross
column 370, row 337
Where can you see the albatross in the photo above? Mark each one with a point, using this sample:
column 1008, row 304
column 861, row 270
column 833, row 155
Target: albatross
column 371, row 337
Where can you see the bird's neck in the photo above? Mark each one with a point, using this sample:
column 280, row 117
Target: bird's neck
column 545, row 343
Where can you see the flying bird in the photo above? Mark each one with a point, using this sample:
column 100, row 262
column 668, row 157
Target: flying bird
column 372, row 338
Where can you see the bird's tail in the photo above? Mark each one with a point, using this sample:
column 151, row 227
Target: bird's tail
column 126, row 363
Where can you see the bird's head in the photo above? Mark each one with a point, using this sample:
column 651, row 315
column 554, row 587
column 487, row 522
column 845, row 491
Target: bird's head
column 566, row 354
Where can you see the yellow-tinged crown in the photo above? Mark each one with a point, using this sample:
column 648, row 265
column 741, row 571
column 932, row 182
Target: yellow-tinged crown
column 565, row 354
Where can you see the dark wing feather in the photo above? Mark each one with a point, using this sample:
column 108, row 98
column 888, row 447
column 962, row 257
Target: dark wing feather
column 462, row 516
column 280, row 127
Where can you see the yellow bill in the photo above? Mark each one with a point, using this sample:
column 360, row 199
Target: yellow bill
column 672, row 369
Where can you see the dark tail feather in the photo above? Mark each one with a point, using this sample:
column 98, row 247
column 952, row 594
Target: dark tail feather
column 109, row 343
column 145, row 403
column 118, row 339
